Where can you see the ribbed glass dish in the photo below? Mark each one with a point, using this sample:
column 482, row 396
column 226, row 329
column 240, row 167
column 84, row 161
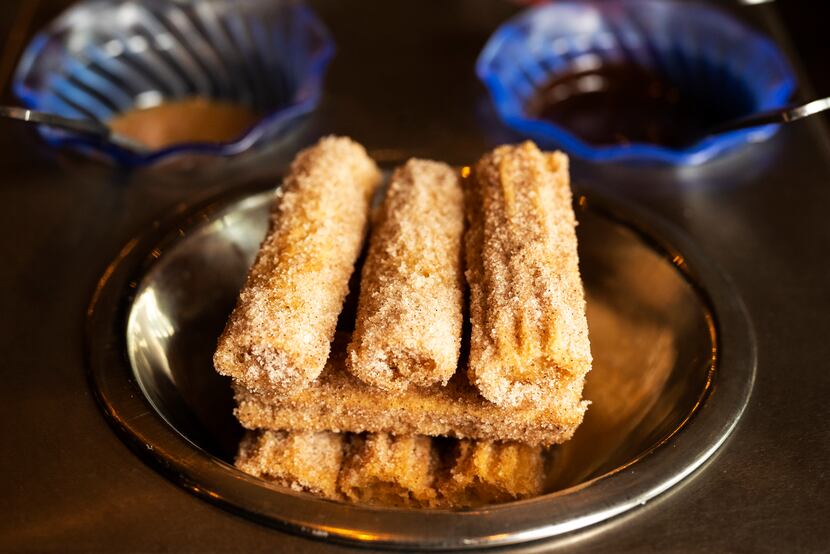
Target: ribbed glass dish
column 699, row 48
column 102, row 58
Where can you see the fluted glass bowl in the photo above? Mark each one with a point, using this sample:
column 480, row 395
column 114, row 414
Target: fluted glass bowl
column 698, row 48
column 102, row 58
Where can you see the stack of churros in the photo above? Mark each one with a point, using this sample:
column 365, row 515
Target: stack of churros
column 409, row 406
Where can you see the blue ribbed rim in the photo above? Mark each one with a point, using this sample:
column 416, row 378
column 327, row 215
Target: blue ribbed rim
column 511, row 110
column 281, row 117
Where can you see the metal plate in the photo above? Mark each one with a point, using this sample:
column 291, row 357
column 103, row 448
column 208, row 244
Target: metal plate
column 674, row 367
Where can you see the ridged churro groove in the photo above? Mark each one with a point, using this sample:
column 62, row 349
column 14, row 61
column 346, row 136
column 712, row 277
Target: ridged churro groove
column 527, row 305
column 397, row 411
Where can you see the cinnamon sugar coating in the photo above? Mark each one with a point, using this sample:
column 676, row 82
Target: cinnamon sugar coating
column 527, row 307
column 486, row 472
column 321, row 415
column 409, row 316
column 388, row 470
column 278, row 335
column 337, row 401
column 302, row 461
column 401, row 471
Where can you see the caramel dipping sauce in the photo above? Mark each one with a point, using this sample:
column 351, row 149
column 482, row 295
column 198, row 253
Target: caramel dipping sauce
column 189, row 120
column 624, row 103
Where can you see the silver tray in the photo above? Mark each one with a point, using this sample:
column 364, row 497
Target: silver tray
column 674, row 368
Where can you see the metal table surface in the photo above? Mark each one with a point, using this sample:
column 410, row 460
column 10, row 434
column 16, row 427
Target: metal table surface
column 402, row 83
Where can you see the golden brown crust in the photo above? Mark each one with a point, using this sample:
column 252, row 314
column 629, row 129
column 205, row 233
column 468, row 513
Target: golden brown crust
column 302, row 461
column 408, row 328
column 337, row 401
column 278, row 335
column 388, row 470
column 336, row 431
column 486, row 472
column 402, row 471
column 527, row 307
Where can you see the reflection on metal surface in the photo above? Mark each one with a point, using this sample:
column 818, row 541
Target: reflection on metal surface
column 633, row 360
column 653, row 339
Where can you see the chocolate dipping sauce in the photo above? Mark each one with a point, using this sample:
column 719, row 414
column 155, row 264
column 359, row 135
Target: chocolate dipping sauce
column 621, row 104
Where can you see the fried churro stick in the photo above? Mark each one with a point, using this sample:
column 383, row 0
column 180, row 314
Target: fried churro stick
column 278, row 336
column 338, row 401
column 527, row 305
column 409, row 314
column 386, row 470
column 486, row 472
column 303, row 461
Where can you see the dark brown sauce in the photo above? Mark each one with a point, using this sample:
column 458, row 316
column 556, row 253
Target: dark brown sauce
column 621, row 104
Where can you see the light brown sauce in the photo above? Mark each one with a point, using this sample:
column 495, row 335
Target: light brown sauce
column 189, row 120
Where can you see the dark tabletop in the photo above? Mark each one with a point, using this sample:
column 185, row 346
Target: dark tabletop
column 402, row 83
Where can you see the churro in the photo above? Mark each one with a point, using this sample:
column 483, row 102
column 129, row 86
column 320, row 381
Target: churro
column 317, row 402
column 529, row 334
column 279, row 334
column 404, row 471
column 389, row 470
column 409, row 316
column 338, row 401
column 302, row 461
column 486, row 472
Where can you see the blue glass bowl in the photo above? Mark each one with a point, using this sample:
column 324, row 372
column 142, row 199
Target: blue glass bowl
column 696, row 47
column 101, row 58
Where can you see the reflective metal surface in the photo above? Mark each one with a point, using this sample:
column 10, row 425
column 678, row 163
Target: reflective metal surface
column 783, row 115
column 660, row 405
